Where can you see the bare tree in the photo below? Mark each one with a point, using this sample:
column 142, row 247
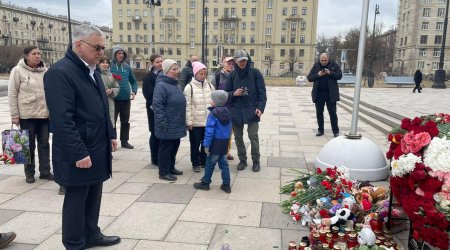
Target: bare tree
column 10, row 56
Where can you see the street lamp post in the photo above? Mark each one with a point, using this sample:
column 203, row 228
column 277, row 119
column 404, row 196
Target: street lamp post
column 203, row 31
column 370, row 74
column 439, row 79
column 69, row 24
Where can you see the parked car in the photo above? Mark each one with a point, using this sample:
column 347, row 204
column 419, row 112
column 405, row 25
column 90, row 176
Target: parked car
column 301, row 81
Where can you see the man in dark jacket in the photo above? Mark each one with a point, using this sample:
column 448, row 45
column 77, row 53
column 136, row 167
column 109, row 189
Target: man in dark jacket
column 83, row 137
column 418, row 81
column 325, row 90
column 128, row 90
column 247, row 98
column 187, row 73
column 148, row 87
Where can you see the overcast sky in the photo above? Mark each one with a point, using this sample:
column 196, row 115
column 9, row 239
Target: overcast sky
column 335, row 16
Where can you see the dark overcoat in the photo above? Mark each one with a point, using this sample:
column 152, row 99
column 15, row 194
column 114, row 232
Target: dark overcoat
column 332, row 78
column 79, row 113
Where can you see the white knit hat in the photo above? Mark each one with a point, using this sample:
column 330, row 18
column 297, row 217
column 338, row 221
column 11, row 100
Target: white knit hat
column 167, row 65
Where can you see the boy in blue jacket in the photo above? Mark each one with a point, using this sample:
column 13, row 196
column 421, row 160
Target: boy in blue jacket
column 217, row 134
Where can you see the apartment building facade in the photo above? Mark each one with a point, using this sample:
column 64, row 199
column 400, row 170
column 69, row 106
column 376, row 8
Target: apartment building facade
column 279, row 35
column 24, row 26
column 420, row 25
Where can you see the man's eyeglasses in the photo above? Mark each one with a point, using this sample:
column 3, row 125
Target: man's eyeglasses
column 98, row 48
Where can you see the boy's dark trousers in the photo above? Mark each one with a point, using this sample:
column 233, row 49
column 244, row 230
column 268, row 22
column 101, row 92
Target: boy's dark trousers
column 198, row 155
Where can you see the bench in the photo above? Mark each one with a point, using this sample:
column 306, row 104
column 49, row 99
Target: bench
column 399, row 80
column 347, row 80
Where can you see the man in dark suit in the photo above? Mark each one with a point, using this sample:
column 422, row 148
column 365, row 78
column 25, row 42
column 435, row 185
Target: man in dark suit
column 325, row 75
column 83, row 137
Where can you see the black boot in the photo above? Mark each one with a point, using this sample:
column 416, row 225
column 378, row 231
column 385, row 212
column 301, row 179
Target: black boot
column 125, row 144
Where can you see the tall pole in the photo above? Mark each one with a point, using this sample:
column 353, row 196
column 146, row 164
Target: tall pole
column 359, row 70
column 370, row 77
column 69, row 23
column 203, row 31
column 439, row 80
column 152, row 31
column 206, row 36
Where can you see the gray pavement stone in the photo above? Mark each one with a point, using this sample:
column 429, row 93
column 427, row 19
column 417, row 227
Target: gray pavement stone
column 18, row 246
column 37, row 200
column 191, row 232
column 132, row 188
column 17, row 185
column 55, row 243
column 131, row 166
column 264, row 173
column 168, row 193
column 239, row 237
column 116, row 204
column 215, row 211
column 285, row 162
column 6, row 197
column 2, row 177
column 272, row 216
column 152, row 176
column 33, row 227
column 117, row 179
column 143, row 220
column 158, row 245
column 8, row 214
column 262, row 190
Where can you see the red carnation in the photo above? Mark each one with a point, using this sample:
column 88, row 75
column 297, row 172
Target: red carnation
column 117, row 77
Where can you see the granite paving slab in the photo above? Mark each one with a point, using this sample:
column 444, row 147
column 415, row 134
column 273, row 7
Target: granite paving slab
column 42, row 226
column 216, row 179
column 17, row 185
column 103, row 222
column 213, row 193
column 115, row 204
column 131, row 166
column 117, row 179
column 191, row 232
column 158, row 245
column 215, row 211
column 143, row 220
column 55, row 243
column 132, row 188
column 264, row 173
column 14, row 169
column 7, row 215
column 284, row 162
column 6, row 197
column 240, row 237
column 168, row 193
column 19, row 246
column 3, row 176
column 37, row 200
column 262, row 190
column 152, row 176
column 272, row 216
column 51, row 185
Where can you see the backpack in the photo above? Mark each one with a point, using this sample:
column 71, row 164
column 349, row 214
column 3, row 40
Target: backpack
column 192, row 91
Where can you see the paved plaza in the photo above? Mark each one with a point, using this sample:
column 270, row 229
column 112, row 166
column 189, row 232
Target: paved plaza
column 148, row 213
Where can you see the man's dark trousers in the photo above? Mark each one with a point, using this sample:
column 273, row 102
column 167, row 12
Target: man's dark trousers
column 322, row 99
column 122, row 108
column 80, row 215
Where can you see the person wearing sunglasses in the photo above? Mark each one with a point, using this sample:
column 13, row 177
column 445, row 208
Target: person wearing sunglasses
column 127, row 90
column 83, row 137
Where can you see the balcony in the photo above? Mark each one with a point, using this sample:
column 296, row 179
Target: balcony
column 42, row 40
column 46, row 48
column 137, row 18
column 169, row 18
column 229, row 18
column 294, row 17
column 15, row 19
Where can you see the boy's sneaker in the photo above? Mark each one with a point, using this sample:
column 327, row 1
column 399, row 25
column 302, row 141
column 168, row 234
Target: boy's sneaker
column 201, row 185
column 225, row 188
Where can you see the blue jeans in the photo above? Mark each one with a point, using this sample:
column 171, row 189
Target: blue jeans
column 211, row 161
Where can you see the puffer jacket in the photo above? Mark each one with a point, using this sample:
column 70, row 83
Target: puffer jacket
column 218, row 131
column 26, row 93
column 169, row 106
column 198, row 100
column 128, row 83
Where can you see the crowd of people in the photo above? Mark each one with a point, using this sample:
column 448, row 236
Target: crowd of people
column 82, row 96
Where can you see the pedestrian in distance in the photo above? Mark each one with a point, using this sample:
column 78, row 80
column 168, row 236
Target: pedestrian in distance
column 198, row 100
column 418, row 80
column 28, row 109
column 247, row 99
column 148, row 88
column 217, row 134
column 187, row 72
column 325, row 75
column 169, row 106
column 220, row 81
column 128, row 90
column 83, row 137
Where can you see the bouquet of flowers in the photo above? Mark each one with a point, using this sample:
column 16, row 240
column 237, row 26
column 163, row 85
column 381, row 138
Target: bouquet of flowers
column 116, row 80
column 420, row 179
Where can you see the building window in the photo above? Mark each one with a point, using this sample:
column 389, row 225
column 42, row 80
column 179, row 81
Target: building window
column 437, row 52
column 145, row 26
column 243, row 25
column 145, row 51
column 137, row 38
column 129, row 38
column 301, row 53
column 426, row 1
column 252, row 25
column 439, row 26
column 269, row 4
column 302, row 39
column 438, row 39
column 304, row 11
column 253, row 11
column 178, row 12
column 192, row 45
column 120, row 12
column 423, row 39
column 269, row 17
column 136, row 25
column 425, row 25
column 244, row 11
column 435, row 65
column 161, row 51
column 121, row 38
column 145, row 38
column 292, row 40
column 300, row 66
column 268, row 45
column 293, row 25
column 192, row 31
column 441, row 12
column 281, row 65
column 252, row 39
column 120, row 25
column 303, row 25
column 406, row 40
column 294, row 11
column 283, row 25
column 426, row 12
column 268, row 31
column 192, row 5
column 420, row 64
column 216, row 12
column 252, row 52
column 129, row 25
column 242, row 39
column 422, row 52
column 119, row 1
column 282, row 52
column 178, row 52
column 192, row 17
column 284, row 11
column 283, row 38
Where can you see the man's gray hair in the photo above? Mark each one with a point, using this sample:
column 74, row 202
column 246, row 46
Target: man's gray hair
column 84, row 31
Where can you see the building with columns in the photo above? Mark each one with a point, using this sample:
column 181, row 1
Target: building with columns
column 279, row 35
column 23, row 26
column 420, row 25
